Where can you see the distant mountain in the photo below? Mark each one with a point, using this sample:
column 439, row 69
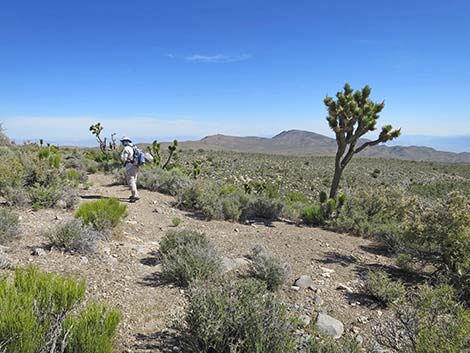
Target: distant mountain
column 306, row 143
column 444, row 143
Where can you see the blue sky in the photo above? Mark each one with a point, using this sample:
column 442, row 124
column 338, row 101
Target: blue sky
column 164, row 69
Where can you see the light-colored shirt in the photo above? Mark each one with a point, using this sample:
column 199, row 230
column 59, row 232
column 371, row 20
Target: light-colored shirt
column 127, row 154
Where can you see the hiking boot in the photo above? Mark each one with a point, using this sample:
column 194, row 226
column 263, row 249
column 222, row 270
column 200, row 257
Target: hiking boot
column 134, row 198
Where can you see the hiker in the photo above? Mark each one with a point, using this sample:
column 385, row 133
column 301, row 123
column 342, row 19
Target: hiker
column 131, row 166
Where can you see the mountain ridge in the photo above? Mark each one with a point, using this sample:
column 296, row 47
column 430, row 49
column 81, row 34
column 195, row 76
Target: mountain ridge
column 306, row 143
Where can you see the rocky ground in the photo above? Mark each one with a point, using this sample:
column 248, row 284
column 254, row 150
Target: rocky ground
column 125, row 271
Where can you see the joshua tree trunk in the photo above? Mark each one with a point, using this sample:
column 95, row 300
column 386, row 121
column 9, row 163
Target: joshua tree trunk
column 336, row 179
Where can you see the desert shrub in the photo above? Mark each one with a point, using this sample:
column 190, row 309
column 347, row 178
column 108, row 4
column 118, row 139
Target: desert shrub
column 69, row 198
column 325, row 344
column 93, row 330
column 45, row 196
column 236, row 317
column 440, row 235
column 294, row 203
column 175, row 221
column 231, row 208
column 313, row 215
column 12, row 171
column 379, row 215
column 379, row 285
column 234, row 200
column 36, row 315
column 169, row 182
column 262, row 207
column 16, row 196
column 267, row 189
column 267, row 268
column 4, row 140
column 76, row 177
column 188, row 256
column 430, row 322
column 440, row 190
column 74, row 236
column 102, row 214
column 9, row 225
column 204, row 197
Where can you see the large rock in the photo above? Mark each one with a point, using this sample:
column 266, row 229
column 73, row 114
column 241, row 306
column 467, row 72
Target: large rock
column 304, row 282
column 329, row 325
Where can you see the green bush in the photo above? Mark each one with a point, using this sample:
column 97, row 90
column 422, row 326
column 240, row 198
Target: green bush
column 325, row 344
column 169, row 182
column 9, row 225
column 440, row 236
column 379, row 285
column 204, row 197
column 93, row 330
column 37, row 315
column 379, row 215
column 268, row 269
column 16, row 196
column 102, row 214
column 262, row 207
column 176, row 221
column 236, row 317
column 74, row 236
column 430, row 322
column 188, row 256
column 45, row 196
column 313, row 215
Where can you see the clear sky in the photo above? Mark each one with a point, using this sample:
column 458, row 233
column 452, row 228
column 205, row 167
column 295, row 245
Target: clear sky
column 163, row 69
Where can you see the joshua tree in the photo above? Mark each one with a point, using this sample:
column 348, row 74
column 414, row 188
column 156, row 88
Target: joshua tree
column 154, row 150
column 172, row 150
column 351, row 116
column 96, row 130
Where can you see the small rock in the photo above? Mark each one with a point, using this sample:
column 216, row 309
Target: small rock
column 39, row 252
column 327, row 270
column 329, row 325
column 359, row 340
column 83, row 260
column 379, row 313
column 318, row 300
column 355, row 330
column 158, row 268
column 344, row 287
column 61, row 204
column 363, row 319
column 326, row 275
column 295, row 288
column 305, row 320
column 57, row 217
column 236, row 230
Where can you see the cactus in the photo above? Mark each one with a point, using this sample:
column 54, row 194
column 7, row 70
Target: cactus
column 351, row 116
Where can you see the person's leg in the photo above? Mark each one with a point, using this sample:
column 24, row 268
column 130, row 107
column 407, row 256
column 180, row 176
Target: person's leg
column 132, row 172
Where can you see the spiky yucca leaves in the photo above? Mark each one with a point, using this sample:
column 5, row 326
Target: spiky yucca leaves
column 352, row 115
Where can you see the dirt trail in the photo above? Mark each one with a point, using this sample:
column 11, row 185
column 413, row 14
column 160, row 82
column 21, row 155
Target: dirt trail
column 125, row 272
